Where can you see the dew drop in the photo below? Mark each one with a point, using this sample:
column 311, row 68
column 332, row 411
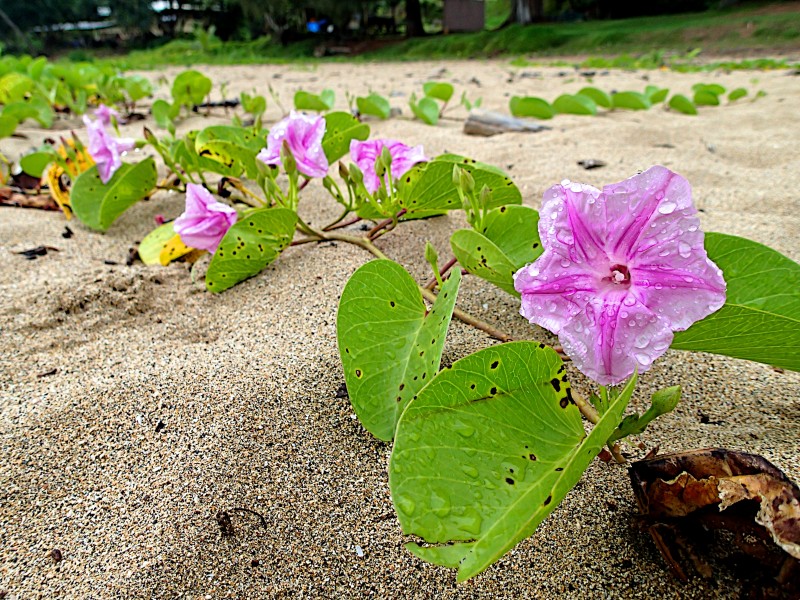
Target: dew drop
column 469, row 471
column 565, row 263
column 406, row 504
column 643, row 359
column 463, row 429
column 629, row 301
column 664, row 252
column 440, row 505
column 684, row 249
column 641, row 341
column 667, row 207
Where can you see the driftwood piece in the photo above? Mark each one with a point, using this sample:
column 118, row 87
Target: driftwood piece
column 487, row 123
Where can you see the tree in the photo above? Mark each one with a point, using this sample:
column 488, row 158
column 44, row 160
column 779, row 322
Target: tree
column 526, row 11
column 414, row 26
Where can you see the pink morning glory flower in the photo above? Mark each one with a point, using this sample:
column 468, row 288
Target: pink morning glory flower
column 303, row 133
column 364, row 154
column 205, row 221
column 104, row 114
column 105, row 150
column 622, row 269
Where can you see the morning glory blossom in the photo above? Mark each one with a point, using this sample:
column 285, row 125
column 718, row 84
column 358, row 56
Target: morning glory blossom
column 364, row 154
column 104, row 114
column 205, row 221
column 303, row 133
column 105, row 150
column 622, row 269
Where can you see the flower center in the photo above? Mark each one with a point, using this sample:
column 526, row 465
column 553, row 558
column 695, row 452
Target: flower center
column 620, row 275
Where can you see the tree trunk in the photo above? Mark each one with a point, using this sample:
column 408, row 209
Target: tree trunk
column 414, row 19
column 525, row 11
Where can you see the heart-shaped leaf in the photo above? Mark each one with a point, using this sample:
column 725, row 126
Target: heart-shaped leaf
column 682, row 104
column 575, row 105
column 234, row 147
column 35, row 163
column 630, row 100
column 531, row 107
column 508, row 240
column 487, row 450
column 599, row 96
column 374, row 105
column 98, row 205
column 428, row 188
column 656, row 94
column 390, row 345
column 706, row 98
column 340, row 129
column 426, row 110
column 711, row 88
column 760, row 320
column 317, row 102
column 253, row 242
column 439, row 90
column 737, row 94
column 190, row 87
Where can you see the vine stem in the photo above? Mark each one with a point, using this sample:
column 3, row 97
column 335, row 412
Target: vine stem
column 587, row 410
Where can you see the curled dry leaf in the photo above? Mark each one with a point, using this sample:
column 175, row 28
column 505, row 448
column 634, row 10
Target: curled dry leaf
column 683, row 494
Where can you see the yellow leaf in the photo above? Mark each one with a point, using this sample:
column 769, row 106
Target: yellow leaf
column 173, row 249
column 60, row 180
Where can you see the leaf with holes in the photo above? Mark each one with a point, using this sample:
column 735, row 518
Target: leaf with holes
column 439, row 90
column 760, row 320
column 234, row 147
column 98, row 205
column 531, row 107
column 153, row 243
column 253, row 242
column 389, row 343
column 428, row 189
column 374, row 105
column 508, row 240
column 340, row 129
column 575, row 105
column 487, row 450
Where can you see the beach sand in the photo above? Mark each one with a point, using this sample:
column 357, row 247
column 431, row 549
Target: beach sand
column 169, row 404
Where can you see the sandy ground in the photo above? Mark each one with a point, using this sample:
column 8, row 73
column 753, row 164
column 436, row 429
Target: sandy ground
column 170, row 404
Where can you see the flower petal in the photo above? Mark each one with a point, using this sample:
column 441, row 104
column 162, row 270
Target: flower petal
column 614, row 335
column 553, row 290
column 572, row 224
column 205, row 221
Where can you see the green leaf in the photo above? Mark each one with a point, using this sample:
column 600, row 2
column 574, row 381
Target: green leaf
column 440, row 91
column 428, row 189
column 162, row 113
column 682, row 104
column 711, row 88
column 8, row 125
column 340, row 129
column 317, row 102
column 150, row 247
column 190, row 88
column 656, row 94
column 35, row 163
column 508, row 240
column 14, row 87
column 426, row 110
column 737, row 94
column 630, row 100
column 760, row 320
column 531, row 107
column 253, row 242
column 599, row 96
column 137, row 87
column 98, row 205
column 234, row 147
column 374, row 105
column 487, row 450
column 390, row 345
column 575, row 105
column 706, row 98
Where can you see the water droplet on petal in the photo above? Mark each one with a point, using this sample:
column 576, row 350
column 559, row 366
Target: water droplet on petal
column 667, row 207
column 641, row 341
column 629, row 301
column 643, row 359
column 684, row 249
column 565, row 263
column 664, row 252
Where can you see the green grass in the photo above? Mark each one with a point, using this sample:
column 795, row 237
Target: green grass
column 647, row 42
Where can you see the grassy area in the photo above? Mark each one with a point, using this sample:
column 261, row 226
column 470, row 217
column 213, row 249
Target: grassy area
column 649, row 39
